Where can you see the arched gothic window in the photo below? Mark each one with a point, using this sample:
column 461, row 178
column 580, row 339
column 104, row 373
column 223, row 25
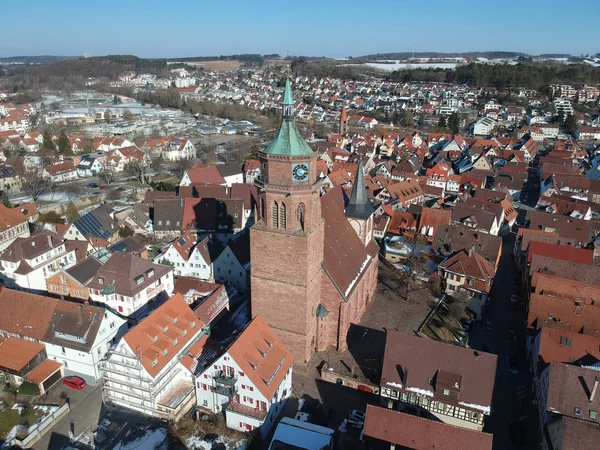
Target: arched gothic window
column 282, row 216
column 275, row 215
column 300, row 213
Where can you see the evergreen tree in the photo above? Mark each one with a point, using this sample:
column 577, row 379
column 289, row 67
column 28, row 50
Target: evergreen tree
column 442, row 122
column 454, row 123
column 64, row 147
column 570, row 124
column 47, row 141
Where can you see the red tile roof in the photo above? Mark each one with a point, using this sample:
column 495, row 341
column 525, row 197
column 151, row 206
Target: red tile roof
column 415, row 432
column 16, row 353
column 262, row 356
column 554, row 347
column 563, row 252
column 163, row 334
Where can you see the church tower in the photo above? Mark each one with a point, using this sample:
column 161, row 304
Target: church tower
column 286, row 242
column 343, row 128
column 359, row 210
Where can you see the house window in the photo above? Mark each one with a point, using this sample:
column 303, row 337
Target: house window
column 100, row 280
column 593, row 414
column 474, row 415
column 446, row 392
column 300, row 214
column 62, row 350
column 577, row 411
column 63, row 279
column 120, row 309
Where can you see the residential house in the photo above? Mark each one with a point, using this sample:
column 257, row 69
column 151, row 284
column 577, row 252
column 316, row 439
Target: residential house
column 63, row 171
column 90, row 165
column 470, row 273
column 9, row 181
column 300, row 434
column 588, row 133
column 480, row 215
column 130, row 285
column 231, row 173
column 13, row 224
column 76, row 335
column 99, row 223
column 191, row 257
column 484, row 126
column 251, row 171
column 29, row 261
column 203, row 176
column 431, row 218
column 73, row 282
column 250, row 380
column 449, row 239
column 152, row 367
column 233, row 264
column 569, row 391
column 408, row 431
column 454, row 384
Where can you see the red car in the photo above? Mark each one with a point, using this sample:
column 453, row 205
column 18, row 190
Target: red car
column 74, row 383
column 103, row 186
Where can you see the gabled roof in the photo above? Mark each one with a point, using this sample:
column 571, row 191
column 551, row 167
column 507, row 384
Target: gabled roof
column 557, row 251
column 262, row 356
column 164, row 334
column 477, row 369
column 10, row 217
column 449, row 239
column 98, row 223
column 566, row 346
column 410, row 431
column 472, row 265
column 128, row 274
column 16, row 353
column 571, row 387
column 45, row 319
column 206, row 176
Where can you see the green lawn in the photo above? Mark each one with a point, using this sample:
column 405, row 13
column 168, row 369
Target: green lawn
column 11, row 417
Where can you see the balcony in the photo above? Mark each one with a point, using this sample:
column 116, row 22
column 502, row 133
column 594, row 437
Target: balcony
column 224, row 385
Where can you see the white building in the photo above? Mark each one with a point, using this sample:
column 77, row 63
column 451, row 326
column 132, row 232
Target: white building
column 30, row 261
column 13, row 224
column 76, row 335
column 151, row 369
column 233, row 264
column 484, row 126
column 190, row 258
column 89, row 166
column 131, row 286
column 250, row 381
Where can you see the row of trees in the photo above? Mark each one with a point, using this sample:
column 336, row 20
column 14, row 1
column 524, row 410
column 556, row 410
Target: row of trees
column 527, row 75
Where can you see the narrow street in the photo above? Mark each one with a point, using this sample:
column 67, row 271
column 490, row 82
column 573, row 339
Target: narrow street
column 502, row 332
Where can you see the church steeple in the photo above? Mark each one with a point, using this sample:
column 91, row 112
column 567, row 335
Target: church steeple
column 288, row 101
column 343, row 128
column 359, row 206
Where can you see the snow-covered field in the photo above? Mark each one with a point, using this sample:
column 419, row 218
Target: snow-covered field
column 390, row 67
column 195, row 443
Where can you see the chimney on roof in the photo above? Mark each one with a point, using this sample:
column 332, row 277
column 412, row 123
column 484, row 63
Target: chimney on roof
column 594, row 389
column 79, row 314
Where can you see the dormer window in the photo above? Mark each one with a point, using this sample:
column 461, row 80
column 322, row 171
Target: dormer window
column 155, row 363
column 100, row 280
column 165, row 351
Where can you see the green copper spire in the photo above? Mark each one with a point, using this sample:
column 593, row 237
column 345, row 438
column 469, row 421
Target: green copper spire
column 288, row 141
column 288, row 98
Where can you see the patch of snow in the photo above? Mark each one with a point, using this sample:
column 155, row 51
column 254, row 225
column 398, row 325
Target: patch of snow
column 362, row 267
column 149, row 441
column 195, row 443
column 396, row 385
column 420, row 391
column 485, row 409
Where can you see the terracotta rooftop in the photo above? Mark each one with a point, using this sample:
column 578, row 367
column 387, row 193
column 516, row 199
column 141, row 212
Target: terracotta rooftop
column 261, row 356
column 43, row 371
column 414, row 432
column 16, row 353
column 562, row 252
column 164, row 334
column 566, row 346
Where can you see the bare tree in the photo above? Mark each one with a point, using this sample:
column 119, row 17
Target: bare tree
column 107, row 174
column 33, row 182
column 137, row 170
column 181, row 166
column 73, row 190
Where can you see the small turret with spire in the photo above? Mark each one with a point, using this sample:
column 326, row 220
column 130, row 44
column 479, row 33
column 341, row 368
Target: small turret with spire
column 359, row 210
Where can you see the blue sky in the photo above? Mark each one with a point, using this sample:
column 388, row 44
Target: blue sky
column 334, row 28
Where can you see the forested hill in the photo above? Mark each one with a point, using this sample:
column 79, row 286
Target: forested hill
column 526, row 75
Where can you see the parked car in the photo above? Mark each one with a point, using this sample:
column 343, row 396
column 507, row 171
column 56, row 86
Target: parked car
column 92, row 185
column 103, row 187
column 358, row 424
column 74, row 383
column 358, row 415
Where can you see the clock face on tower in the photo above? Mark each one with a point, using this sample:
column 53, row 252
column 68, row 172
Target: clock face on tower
column 300, row 172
